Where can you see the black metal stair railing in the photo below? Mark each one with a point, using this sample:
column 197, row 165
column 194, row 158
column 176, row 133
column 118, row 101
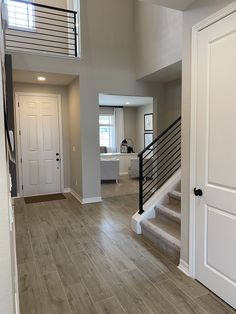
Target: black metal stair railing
column 39, row 28
column 159, row 161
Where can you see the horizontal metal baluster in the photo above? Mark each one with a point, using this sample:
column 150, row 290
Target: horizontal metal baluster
column 53, row 30
column 160, row 173
column 161, row 153
column 158, row 166
column 164, row 161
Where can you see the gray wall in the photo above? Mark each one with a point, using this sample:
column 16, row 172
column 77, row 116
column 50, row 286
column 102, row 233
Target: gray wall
column 75, row 137
column 52, row 89
column 7, row 269
column 158, row 33
column 172, row 102
column 130, row 124
column 195, row 13
column 107, row 66
column 140, row 111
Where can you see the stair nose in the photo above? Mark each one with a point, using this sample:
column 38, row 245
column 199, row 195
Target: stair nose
column 175, row 195
column 164, row 234
column 169, row 211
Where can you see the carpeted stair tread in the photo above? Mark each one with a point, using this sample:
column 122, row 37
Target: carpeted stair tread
column 175, row 194
column 167, row 230
column 171, row 211
column 171, row 206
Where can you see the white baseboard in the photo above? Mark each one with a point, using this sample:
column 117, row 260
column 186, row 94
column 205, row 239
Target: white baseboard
column 88, row 200
column 184, row 267
column 67, row 190
column 16, row 197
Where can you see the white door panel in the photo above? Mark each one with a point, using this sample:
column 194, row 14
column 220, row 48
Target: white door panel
column 216, row 158
column 39, row 125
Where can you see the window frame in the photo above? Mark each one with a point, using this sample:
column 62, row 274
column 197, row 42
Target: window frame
column 32, row 27
column 110, row 125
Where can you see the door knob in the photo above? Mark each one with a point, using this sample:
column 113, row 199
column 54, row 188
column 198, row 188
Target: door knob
column 57, row 159
column 57, row 154
column 198, row 192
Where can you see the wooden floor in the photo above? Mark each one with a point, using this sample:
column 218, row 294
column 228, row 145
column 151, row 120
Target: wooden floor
column 85, row 259
column 125, row 186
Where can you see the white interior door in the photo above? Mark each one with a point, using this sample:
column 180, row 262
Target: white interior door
column 40, row 144
column 216, row 158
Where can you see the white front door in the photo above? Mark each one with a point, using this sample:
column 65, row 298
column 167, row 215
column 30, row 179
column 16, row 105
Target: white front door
column 216, row 158
column 40, row 149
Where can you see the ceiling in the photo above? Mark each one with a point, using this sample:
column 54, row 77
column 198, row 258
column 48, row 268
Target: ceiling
column 173, row 4
column 21, row 76
column 126, row 101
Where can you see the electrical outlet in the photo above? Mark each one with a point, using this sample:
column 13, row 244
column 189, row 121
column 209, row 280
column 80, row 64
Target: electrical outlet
column 73, row 149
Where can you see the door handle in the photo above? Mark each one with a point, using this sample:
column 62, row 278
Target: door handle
column 198, row 192
column 58, row 159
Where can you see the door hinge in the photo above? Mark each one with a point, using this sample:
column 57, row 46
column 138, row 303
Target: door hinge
column 18, row 104
column 20, row 132
column 22, row 187
column 21, row 159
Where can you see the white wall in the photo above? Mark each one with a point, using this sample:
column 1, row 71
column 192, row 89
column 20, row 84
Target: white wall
column 61, row 90
column 107, row 66
column 195, row 13
column 158, row 33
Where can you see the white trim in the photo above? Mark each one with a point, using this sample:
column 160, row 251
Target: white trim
column 193, row 129
column 67, row 190
column 88, row 200
column 184, row 267
column 18, row 138
column 157, row 198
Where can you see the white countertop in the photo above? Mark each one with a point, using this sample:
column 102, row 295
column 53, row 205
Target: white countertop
column 117, row 154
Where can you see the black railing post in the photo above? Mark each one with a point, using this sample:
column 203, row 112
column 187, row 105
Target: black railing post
column 141, row 184
column 75, row 34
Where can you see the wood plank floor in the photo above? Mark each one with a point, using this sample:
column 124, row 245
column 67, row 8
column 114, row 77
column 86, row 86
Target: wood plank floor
column 85, row 259
column 125, row 186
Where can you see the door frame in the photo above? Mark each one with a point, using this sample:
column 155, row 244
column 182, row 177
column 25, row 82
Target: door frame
column 229, row 9
column 18, row 137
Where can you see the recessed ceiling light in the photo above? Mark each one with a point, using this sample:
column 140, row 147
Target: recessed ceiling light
column 127, row 103
column 41, row 78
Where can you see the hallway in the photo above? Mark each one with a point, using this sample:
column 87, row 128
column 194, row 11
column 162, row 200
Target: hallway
column 85, row 259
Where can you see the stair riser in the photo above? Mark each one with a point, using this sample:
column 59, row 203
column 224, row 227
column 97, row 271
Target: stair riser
column 161, row 243
column 175, row 200
column 165, row 216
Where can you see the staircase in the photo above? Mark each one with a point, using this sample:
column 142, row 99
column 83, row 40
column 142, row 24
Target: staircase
column 159, row 215
column 164, row 229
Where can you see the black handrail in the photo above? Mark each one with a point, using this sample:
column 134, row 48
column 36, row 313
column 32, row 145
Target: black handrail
column 164, row 151
column 50, row 30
